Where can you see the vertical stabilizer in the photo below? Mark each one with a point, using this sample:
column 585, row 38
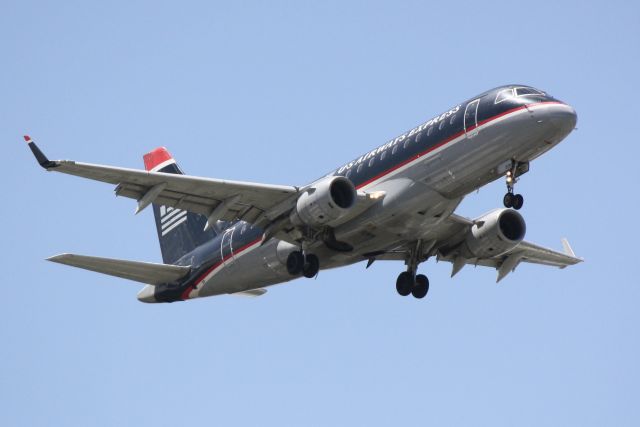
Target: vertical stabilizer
column 179, row 231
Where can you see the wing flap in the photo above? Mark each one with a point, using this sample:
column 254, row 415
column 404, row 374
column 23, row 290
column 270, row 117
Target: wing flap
column 143, row 272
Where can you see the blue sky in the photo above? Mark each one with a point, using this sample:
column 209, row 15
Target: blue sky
column 283, row 92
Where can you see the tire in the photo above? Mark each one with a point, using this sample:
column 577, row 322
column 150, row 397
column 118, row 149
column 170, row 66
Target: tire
column 404, row 284
column 421, row 287
column 295, row 263
column 518, row 201
column 311, row 266
column 508, row 200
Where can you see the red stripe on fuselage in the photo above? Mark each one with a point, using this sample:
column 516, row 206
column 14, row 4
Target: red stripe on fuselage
column 451, row 138
column 185, row 294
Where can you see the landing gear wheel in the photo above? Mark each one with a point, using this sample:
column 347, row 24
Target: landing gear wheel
column 421, row 286
column 295, row 263
column 404, row 283
column 508, row 200
column 517, row 201
column 512, row 200
column 311, row 266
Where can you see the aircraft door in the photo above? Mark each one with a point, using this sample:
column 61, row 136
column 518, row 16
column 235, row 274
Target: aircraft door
column 471, row 119
column 226, row 247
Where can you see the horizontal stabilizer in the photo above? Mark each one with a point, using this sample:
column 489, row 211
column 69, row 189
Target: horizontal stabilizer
column 144, row 272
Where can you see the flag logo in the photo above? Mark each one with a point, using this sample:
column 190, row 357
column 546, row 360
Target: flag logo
column 170, row 218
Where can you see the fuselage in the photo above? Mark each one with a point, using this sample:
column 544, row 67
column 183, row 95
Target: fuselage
column 425, row 173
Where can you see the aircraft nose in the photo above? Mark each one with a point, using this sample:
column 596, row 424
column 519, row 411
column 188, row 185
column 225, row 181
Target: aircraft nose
column 563, row 117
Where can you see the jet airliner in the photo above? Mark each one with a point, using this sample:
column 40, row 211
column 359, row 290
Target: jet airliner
column 395, row 202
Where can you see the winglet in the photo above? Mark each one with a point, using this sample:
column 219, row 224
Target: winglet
column 39, row 155
column 567, row 248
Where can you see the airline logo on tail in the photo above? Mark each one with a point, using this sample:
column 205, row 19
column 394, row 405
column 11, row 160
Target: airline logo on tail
column 170, row 218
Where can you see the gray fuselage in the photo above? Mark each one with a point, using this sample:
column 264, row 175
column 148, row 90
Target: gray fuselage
column 424, row 174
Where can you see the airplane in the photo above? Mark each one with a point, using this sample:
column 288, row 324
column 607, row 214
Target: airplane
column 395, row 202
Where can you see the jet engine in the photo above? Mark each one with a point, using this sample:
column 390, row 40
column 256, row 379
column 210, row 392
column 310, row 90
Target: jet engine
column 494, row 234
column 325, row 203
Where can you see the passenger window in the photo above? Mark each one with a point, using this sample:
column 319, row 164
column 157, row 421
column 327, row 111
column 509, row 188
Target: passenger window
column 371, row 161
column 383, row 155
column 503, row 95
column 360, row 167
column 395, row 149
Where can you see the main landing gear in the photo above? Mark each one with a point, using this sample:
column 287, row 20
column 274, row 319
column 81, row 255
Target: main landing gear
column 417, row 285
column 510, row 199
column 306, row 264
column 409, row 282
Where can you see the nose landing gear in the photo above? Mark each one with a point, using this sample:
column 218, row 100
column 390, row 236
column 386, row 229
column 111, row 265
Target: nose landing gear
column 514, row 201
column 510, row 199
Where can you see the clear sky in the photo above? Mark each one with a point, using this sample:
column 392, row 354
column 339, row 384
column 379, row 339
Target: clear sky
column 283, row 92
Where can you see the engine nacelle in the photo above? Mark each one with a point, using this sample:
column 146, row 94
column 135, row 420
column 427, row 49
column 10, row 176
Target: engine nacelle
column 494, row 234
column 325, row 203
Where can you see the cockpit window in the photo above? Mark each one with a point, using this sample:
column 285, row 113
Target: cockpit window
column 503, row 95
column 521, row 91
column 511, row 93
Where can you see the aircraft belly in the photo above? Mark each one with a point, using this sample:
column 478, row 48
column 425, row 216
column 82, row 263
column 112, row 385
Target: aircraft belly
column 472, row 163
column 245, row 272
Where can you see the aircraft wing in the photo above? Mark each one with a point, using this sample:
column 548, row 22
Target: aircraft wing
column 505, row 263
column 215, row 198
column 450, row 235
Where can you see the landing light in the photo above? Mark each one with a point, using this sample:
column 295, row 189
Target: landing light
column 376, row 195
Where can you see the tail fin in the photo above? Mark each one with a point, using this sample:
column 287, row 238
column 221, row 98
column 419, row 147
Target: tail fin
column 179, row 231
